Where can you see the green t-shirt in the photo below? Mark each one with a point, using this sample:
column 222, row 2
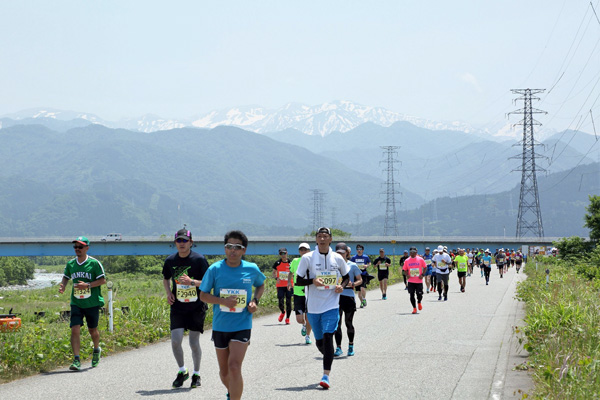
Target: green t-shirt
column 461, row 263
column 298, row 290
column 89, row 271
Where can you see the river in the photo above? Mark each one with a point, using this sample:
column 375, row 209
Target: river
column 41, row 279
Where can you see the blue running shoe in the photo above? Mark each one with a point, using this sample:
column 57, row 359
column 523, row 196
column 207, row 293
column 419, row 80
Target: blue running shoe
column 350, row 350
column 303, row 331
column 324, row 382
column 338, row 352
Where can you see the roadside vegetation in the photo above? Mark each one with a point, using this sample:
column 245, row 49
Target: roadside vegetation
column 141, row 314
column 562, row 323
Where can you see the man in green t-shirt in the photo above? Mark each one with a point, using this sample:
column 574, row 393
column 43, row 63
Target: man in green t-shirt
column 299, row 296
column 87, row 275
column 462, row 264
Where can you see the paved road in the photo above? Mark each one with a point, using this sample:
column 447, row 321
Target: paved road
column 459, row 349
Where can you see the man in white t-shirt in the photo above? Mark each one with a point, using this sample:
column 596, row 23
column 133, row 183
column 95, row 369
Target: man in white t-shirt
column 319, row 272
column 443, row 263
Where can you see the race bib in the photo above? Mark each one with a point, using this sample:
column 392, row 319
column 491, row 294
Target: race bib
column 186, row 293
column 414, row 272
column 486, row 263
column 360, row 262
column 82, row 293
column 382, row 267
column 242, row 296
column 428, row 262
column 283, row 275
column 441, row 264
column 462, row 266
column 329, row 279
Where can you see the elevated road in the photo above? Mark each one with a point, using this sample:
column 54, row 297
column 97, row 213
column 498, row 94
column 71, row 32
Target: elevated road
column 460, row 349
column 61, row 246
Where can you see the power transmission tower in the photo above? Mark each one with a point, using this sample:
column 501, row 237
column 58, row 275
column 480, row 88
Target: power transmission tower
column 317, row 200
column 390, row 226
column 529, row 219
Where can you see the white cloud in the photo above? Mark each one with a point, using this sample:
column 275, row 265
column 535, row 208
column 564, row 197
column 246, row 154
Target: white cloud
column 471, row 80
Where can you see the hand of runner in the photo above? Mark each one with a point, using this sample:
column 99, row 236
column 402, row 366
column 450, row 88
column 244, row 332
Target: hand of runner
column 61, row 288
column 230, row 302
column 185, row 280
column 318, row 282
column 252, row 307
column 81, row 285
column 170, row 298
column 338, row 289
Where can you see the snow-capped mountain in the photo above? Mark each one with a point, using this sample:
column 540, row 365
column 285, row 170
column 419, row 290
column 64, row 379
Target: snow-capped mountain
column 320, row 120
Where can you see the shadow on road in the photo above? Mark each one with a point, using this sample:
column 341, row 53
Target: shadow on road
column 162, row 391
column 293, row 345
column 301, row 388
column 66, row 371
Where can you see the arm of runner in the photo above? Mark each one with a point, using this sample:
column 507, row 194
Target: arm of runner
column 170, row 295
column 229, row 302
column 357, row 281
column 252, row 306
column 98, row 282
column 63, row 285
column 345, row 279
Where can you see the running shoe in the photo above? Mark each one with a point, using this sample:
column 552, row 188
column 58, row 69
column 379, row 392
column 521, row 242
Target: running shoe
column 440, row 297
column 181, row 377
column 487, row 283
column 427, row 290
column 420, row 306
column 287, row 321
column 281, row 317
column 324, row 382
column 462, row 289
column 338, row 352
column 362, row 305
column 96, row 357
column 445, row 298
column 365, row 302
column 303, row 330
column 195, row 381
column 385, row 296
column 76, row 366
column 414, row 311
column 307, row 340
column 350, row 350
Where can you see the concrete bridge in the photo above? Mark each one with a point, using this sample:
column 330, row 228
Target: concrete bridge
column 62, row 246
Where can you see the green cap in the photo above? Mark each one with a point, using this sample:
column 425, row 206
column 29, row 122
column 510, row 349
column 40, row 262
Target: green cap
column 83, row 240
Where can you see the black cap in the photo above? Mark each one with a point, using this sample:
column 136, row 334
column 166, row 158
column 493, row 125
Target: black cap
column 324, row 230
column 341, row 247
column 427, row 248
column 282, row 250
column 413, row 249
column 183, row 234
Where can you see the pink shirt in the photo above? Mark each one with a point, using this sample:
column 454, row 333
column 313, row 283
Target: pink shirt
column 414, row 268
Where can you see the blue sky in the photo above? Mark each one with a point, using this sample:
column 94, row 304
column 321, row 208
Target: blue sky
column 445, row 60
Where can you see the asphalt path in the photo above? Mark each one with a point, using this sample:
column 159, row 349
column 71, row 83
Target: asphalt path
column 462, row 348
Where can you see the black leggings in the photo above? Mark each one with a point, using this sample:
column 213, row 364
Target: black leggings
column 487, row 271
column 325, row 346
column 443, row 282
column 284, row 293
column 418, row 289
column 349, row 316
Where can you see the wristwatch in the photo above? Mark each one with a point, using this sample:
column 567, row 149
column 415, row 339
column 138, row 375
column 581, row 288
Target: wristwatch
column 255, row 300
column 192, row 282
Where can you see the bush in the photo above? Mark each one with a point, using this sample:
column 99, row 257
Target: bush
column 15, row 270
column 573, row 248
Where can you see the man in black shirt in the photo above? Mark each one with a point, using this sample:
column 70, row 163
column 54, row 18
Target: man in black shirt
column 185, row 270
column 383, row 272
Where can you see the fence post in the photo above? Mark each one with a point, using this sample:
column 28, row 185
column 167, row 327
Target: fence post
column 109, row 285
column 547, row 278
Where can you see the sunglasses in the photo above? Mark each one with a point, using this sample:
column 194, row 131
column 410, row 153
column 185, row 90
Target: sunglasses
column 282, row 253
column 231, row 246
column 181, row 240
column 78, row 247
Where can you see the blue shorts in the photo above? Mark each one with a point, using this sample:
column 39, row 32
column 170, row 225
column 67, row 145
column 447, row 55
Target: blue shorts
column 326, row 322
column 429, row 269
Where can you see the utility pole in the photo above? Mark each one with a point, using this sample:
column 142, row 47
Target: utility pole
column 529, row 219
column 390, row 226
column 317, row 201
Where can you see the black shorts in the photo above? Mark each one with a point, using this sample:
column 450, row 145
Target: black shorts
column 414, row 287
column 91, row 314
column 188, row 320
column 519, row 262
column 381, row 275
column 461, row 274
column 500, row 266
column 299, row 304
column 222, row 339
column 364, row 282
column 347, row 304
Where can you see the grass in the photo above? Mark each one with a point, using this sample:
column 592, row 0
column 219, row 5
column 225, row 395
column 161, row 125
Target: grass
column 561, row 332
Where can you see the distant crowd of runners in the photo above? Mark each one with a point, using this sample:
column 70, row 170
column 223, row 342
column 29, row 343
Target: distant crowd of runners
column 322, row 284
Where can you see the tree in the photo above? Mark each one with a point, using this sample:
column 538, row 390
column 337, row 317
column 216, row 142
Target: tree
column 592, row 218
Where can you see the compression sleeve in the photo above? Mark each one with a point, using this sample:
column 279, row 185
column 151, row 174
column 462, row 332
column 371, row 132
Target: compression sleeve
column 301, row 281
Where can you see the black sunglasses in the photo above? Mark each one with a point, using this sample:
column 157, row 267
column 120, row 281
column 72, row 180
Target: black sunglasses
column 78, row 247
column 182, row 240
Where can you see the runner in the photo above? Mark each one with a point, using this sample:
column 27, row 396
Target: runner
column 427, row 257
column 415, row 268
column 402, row 259
column 299, row 297
column 471, row 256
column 347, row 302
column 501, row 262
column 461, row 261
column 363, row 262
column 88, row 276
column 478, row 258
column 382, row 263
column 319, row 271
column 518, row 260
column 231, row 281
column 281, row 272
column 442, row 262
column 486, row 267
column 433, row 272
column 185, row 270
